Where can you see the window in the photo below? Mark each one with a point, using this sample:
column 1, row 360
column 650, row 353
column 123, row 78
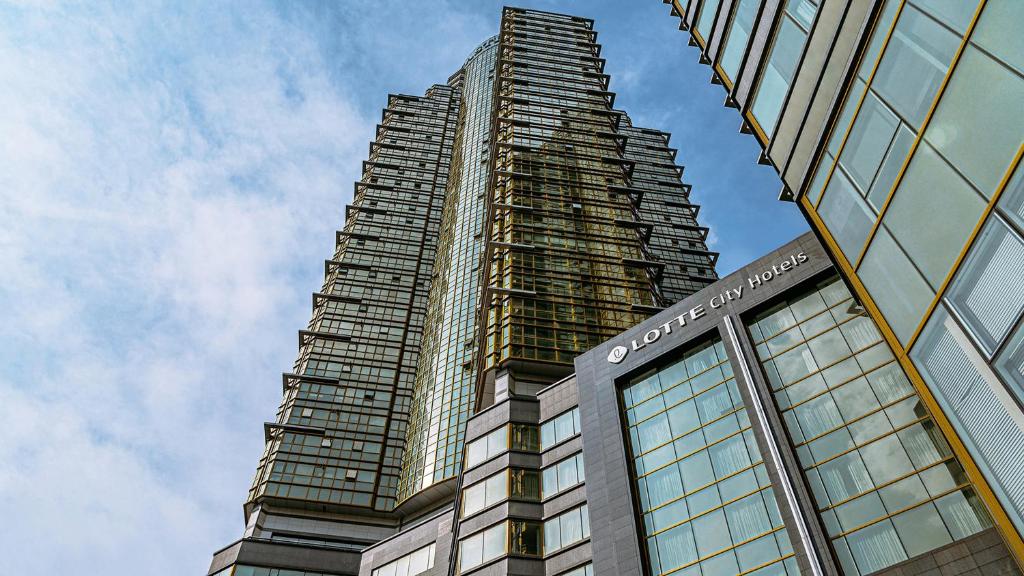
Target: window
column 559, row 428
column 563, row 475
column 566, row 529
column 988, row 293
column 483, row 449
column 783, row 58
column 738, row 36
column 876, row 463
column 846, row 215
column 707, row 17
column 409, row 565
column 585, row 570
column 932, row 192
column 984, row 415
column 526, row 538
column 887, row 271
column 483, row 546
column 525, row 484
column 525, row 437
column 703, row 488
column 485, row 493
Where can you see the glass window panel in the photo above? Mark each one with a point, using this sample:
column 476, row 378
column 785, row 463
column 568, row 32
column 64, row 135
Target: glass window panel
column 901, row 293
column 829, row 347
column 845, row 477
column 886, row 459
column 494, row 542
column 932, row 192
column 924, row 444
column 756, row 553
column 713, row 404
column 1010, row 365
column 988, row 292
column 868, row 141
column 890, row 383
column 818, row 416
column 1011, row 203
column 552, row 535
column 567, row 473
column 711, row 532
column 914, row 64
column 921, row 529
column 703, row 500
column 782, row 62
column 473, row 499
column 549, row 479
column 497, row 442
column 876, row 547
column 664, row 485
column 670, row 514
column 802, row 12
column 471, row 552
column 855, row 399
column 722, row 565
column 963, row 513
column 729, row 456
column 860, row 333
column 846, row 215
column 683, row 418
column 860, row 511
column 904, row 493
column 795, row 364
column 891, row 165
column 654, row 432
column 571, row 526
column 738, row 36
column 747, row 518
column 977, row 406
column 707, row 17
column 676, row 547
column 696, row 470
column 998, row 31
column 977, row 100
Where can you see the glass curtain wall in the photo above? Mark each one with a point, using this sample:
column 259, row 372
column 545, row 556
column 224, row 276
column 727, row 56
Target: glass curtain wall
column 707, row 503
column 884, row 480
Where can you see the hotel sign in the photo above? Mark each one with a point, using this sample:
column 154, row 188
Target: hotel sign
column 619, row 353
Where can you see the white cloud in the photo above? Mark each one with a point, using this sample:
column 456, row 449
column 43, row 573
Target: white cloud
column 164, row 187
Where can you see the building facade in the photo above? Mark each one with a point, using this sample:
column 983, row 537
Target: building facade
column 894, row 127
column 505, row 222
column 760, row 426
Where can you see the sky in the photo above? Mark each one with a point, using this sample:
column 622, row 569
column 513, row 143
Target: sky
column 171, row 175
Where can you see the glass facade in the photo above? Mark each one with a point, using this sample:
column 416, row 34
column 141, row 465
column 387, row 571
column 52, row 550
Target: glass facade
column 884, row 480
column 901, row 159
column 338, row 438
column 412, row 564
column 707, row 503
column 568, row 259
column 445, row 385
column 912, row 159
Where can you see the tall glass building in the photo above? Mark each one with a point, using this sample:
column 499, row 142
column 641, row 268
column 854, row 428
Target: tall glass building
column 895, row 126
column 506, row 222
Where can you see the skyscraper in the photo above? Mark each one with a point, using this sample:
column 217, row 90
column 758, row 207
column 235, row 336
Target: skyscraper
column 505, row 223
column 895, row 127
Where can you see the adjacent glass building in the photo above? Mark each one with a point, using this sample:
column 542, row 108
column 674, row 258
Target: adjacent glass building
column 895, row 127
column 505, row 222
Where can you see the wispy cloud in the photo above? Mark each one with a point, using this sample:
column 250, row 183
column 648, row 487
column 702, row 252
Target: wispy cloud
column 165, row 178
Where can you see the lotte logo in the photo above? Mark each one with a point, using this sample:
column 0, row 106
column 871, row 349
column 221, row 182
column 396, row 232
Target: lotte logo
column 618, row 354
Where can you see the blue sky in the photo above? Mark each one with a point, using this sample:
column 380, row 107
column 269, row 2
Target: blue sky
column 172, row 175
